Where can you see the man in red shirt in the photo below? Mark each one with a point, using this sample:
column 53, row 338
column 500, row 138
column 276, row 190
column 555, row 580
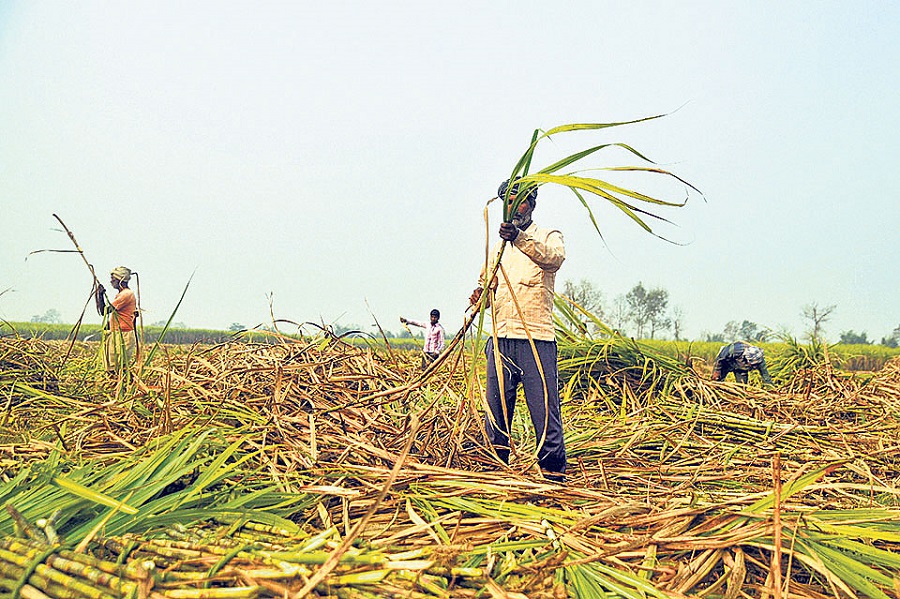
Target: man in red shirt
column 120, row 314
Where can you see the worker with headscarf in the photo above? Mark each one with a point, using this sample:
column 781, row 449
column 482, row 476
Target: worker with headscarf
column 120, row 315
column 740, row 358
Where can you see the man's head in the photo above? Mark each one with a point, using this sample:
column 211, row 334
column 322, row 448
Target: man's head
column 522, row 217
column 752, row 355
column 120, row 276
column 435, row 316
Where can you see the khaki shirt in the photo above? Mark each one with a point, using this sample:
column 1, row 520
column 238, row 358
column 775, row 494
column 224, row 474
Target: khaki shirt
column 530, row 262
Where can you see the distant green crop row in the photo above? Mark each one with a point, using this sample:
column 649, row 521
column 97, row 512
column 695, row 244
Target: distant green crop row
column 850, row 357
column 91, row 332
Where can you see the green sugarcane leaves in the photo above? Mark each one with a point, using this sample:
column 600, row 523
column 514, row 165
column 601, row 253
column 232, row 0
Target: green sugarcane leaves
column 584, row 182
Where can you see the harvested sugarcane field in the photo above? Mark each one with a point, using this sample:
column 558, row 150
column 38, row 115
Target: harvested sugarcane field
column 306, row 465
column 428, row 300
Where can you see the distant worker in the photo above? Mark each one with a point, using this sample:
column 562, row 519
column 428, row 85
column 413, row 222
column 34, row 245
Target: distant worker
column 523, row 312
column 740, row 358
column 120, row 314
column 434, row 336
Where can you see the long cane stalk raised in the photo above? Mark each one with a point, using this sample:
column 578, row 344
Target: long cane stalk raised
column 582, row 183
column 96, row 282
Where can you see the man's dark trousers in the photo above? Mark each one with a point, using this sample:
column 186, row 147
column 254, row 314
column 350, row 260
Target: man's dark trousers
column 519, row 366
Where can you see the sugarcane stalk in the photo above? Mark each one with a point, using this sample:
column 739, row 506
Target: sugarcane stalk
column 64, row 562
column 96, row 283
column 29, row 569
column 226, row 559
column 244, row 592
column 776, row 521
column 320, row 557
column 75, row 586
column 29, row 592
column 335, row 556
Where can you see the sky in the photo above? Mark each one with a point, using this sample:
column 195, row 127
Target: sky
column 330, row 162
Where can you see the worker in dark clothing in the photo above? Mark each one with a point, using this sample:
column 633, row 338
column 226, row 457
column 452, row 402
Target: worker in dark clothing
column 740, row 358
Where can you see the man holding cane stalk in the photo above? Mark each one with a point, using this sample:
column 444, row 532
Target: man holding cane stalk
column 521, row 300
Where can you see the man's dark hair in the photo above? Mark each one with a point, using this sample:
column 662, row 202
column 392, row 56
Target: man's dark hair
column 531, row 198
column 436, row 312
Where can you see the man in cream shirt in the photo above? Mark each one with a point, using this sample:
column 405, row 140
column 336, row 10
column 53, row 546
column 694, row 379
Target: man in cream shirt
column 522, row 307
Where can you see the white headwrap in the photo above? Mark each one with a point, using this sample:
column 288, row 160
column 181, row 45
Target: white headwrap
column 752, row 355
column 121, row 273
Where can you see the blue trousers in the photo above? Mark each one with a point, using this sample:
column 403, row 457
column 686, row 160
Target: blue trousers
column 519, row 367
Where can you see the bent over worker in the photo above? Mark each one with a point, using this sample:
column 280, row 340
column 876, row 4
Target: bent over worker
column 522, row 306
column 740, row 358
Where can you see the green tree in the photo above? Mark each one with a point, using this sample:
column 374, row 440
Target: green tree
column 851, row 337
column 731, row 329
column 236, row 326
column 746, row 330
column 893, row 340
column 51, row 316
column 647, row 308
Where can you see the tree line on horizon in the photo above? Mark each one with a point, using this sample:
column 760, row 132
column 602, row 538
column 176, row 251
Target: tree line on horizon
column 642, row 313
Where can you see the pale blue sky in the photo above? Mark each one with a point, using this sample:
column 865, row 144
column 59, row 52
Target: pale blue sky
column 338, row 155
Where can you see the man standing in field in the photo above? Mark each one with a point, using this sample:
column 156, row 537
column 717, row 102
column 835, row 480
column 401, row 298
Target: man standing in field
column 740, row 358
column 120, row 315
column 522, row 308
column 434, row 336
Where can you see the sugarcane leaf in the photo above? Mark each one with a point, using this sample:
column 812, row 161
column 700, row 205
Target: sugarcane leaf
column 639, row 584
column 530, row 154
column 91, row 495
column 594, row 126
column 165, row 328
column 866, row 553
column 856, row 532
column 583, row 585
column 856, row 574
column 790, row 489
column 573, row 158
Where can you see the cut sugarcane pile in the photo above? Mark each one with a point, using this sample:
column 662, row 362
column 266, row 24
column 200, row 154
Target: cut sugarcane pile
column 256, row 468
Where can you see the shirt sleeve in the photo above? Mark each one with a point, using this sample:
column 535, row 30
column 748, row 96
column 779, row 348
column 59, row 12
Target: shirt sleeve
column 416, row 323
column 764, row 373
column 724, row 354
column 547, row 252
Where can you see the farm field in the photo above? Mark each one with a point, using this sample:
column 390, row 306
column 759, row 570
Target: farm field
column 309, row 466
column 847, row 357
column 547, row 179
